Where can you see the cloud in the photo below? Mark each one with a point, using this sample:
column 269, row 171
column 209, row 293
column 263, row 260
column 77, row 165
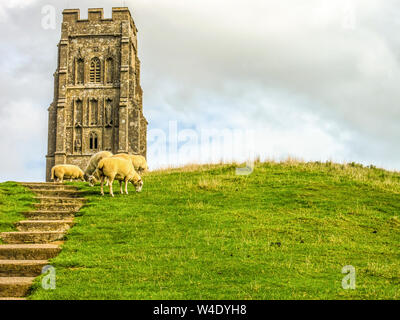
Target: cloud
column 7, row 5
column 316, row 79
column 22, row 145
column 258, row 59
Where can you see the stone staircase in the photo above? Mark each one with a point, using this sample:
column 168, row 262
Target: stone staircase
column 38, row 238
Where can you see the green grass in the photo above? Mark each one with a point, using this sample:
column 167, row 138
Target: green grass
column 14, row 199
column 284, row 232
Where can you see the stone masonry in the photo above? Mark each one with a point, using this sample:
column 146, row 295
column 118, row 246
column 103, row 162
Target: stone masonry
column 97, row 102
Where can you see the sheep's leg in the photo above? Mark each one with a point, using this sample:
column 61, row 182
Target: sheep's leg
column 111, row 181
column 102, row 186
column 62, row 178
column 120, row 187
column 126, row 186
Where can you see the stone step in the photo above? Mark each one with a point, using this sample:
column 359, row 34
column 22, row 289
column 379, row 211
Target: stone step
column 28, row 251
column 48, row 186
column 58, row 207
column 49, row 215
column 41, row 183
column 21, row 268
column 44, row 193
column 31, row 237
column 15, row 286
column 44, row 225
column 11, row 298
column 59, row 200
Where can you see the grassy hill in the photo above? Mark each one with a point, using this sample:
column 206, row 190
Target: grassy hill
column 201, row 232
column 14, row 199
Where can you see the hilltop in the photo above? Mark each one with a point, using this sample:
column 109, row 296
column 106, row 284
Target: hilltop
column 202, row 232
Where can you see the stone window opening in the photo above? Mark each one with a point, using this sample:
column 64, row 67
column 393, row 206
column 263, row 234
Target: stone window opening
column 78, row 113
column 109, row 70
column 95, row 70
column 108, row 114
column 93, row 141
column 94, row 111
column 80, row 73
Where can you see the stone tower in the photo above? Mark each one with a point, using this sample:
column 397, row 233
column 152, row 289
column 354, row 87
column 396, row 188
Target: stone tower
column 97, row 94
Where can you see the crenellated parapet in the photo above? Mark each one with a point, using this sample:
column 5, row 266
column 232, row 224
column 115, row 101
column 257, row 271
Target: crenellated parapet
column 96, row 15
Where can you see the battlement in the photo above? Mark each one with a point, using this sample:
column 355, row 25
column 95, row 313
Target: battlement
column 97, row 14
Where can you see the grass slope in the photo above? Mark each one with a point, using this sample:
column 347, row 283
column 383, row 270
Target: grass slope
column 14, row 199
column 284, row 232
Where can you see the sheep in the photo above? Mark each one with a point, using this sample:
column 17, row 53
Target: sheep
column 61, row 171
column 122, row 155
column 139, row 162
column 119, row 169
column 90, row 170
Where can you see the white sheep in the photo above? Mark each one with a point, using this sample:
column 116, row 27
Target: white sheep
column 90, row 171
column 120, row 169
column 61, row 171
column 139, row 162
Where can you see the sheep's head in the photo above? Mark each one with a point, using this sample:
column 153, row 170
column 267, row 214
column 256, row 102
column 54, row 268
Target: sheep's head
column 91, row 181
column 138, row 184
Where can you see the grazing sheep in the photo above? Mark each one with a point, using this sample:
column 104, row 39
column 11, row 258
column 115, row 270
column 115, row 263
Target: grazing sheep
column 90, row 171
column 118, row 168
column 139, row 162
column 122, row 155
column 61, row 171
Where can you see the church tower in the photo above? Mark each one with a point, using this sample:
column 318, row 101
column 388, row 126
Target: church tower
column 97, row 102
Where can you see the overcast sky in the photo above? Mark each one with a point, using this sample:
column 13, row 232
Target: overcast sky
column 312, row 79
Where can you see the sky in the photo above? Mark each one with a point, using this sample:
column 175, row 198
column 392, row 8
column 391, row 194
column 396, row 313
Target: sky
column 224, row 80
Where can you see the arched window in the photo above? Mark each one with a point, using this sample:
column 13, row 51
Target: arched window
column 95, row 70
column 109, row 70
column 93, row 141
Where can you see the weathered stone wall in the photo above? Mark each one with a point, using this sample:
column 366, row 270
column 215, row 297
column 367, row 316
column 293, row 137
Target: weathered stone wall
column 97, row 94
